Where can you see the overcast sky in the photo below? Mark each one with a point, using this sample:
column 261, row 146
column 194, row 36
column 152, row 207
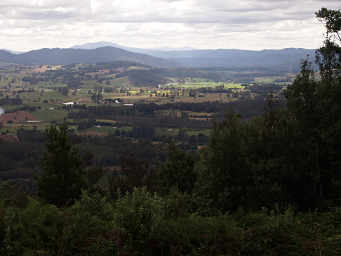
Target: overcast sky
column 207, row 24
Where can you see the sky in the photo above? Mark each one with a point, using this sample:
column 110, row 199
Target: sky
column 203, row 24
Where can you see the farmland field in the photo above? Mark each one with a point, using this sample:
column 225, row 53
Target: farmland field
column 196, row 85
column 106, row 101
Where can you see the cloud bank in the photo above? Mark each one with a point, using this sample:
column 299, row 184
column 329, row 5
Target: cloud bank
column 205, row 24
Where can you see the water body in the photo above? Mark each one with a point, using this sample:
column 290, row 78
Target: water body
column 2, row 111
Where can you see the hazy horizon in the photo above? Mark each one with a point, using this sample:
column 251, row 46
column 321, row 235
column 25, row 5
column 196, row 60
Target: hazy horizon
column 148, row 48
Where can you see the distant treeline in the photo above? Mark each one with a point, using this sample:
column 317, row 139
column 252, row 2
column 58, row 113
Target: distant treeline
column 246, row 108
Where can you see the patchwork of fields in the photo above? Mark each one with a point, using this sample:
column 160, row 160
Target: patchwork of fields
column 128, row 108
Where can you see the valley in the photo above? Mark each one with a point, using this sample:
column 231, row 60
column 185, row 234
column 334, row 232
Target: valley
column 130, row 102
column 44, row 90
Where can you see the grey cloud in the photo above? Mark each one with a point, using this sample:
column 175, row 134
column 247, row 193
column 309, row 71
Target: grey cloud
column 42, row 14
column 48, row 14
column 202, row 11
column 151, row 22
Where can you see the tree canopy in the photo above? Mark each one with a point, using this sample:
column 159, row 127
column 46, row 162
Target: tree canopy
column 62, row 176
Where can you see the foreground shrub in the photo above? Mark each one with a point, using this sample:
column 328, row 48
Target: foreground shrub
column 89, row 227
column 196, row 235
column 34, row 230
column 137, row 215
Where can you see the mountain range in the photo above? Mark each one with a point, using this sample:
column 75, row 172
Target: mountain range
column 69, row 56
column 280, row 60
column 287, row 60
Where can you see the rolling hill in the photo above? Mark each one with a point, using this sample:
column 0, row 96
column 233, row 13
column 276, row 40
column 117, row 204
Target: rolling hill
column 280, row 60
column 73, row 56
column 4, row 55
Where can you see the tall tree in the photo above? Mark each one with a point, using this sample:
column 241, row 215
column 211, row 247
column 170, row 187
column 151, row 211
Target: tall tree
column 284, row 157
column 178, row 171
column 314, row 102
column 329, row 55
column 62, row 177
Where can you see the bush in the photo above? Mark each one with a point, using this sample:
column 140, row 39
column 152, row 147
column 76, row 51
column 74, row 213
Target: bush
column 89, row 227
column 34, row 230
column 196, row 235
column 138, row 214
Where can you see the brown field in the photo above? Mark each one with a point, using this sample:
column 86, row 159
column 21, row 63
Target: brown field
column 9, row 138
column 16, row 117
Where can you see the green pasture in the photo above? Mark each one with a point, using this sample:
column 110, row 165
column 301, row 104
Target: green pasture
column 49, row 85
column 47, row 115
column 272, row 80
column 14, row 127
column 108, row 129
column 191, row 132
column 198, row 85
column 106, row 121
column 41, row 95
column 173, row 132
column 120, row 82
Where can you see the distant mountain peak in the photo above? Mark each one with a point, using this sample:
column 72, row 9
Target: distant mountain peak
column 95, row 45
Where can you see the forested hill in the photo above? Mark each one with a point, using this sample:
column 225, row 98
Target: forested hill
column 283, row 60
column 5, row 55
column 288, row 59
column 72, row 56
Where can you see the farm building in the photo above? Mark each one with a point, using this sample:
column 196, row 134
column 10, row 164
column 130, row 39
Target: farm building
column 69, row 104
